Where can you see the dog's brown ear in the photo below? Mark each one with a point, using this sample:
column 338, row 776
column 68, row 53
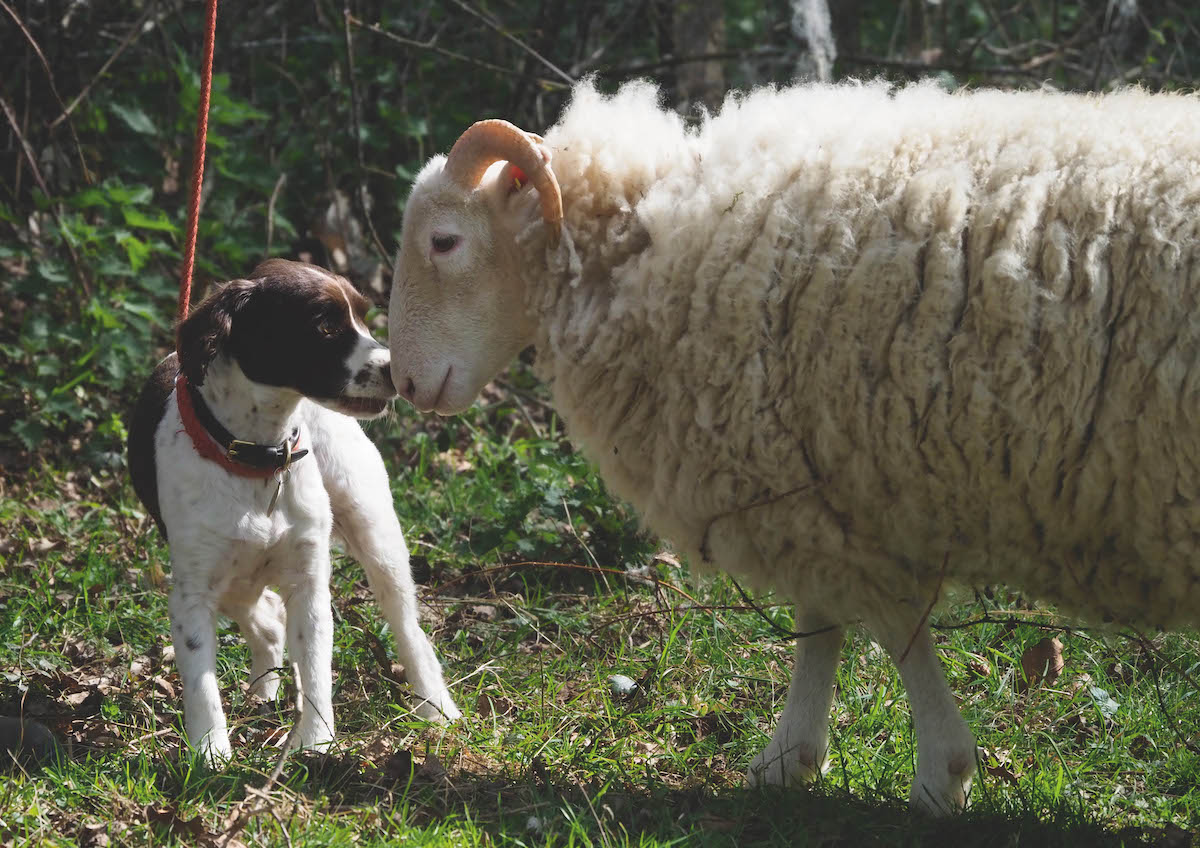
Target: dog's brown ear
column 204, row 333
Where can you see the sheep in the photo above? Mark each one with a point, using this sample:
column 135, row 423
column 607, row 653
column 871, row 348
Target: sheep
column 855, row 344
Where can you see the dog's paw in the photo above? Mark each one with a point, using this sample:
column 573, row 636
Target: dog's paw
column 312, row 735
column 215, row 751
column 441, row 712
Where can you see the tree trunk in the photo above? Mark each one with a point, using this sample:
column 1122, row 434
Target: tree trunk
column 699, row 30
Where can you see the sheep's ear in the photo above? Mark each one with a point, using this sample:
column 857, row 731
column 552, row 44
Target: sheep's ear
column 512, row 177
column 205, row 332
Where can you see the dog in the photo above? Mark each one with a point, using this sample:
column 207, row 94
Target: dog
column 244, row 449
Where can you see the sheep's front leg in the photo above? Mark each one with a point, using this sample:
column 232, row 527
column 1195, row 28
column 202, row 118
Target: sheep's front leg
column 310, row 641
column 798, row 751
column 945, row 745
column 194, row 634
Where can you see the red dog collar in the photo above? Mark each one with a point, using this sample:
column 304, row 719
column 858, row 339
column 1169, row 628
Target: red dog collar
column 213, row 442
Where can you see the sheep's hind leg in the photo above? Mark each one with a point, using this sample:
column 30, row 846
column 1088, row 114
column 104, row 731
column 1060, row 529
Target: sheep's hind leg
column 798, row 750
column 945, row 745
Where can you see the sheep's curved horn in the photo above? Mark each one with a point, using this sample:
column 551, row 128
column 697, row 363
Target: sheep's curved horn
column 487, row 142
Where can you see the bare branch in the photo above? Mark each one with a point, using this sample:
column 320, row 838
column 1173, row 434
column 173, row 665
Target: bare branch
column 130, row 37
column 506, row 34
column 87, row 175
column 356, row 126
column 449, row 54
column 55, row 207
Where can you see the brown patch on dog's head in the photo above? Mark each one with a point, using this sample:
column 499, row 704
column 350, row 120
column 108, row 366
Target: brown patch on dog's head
column 206, row 331
column 292, row 324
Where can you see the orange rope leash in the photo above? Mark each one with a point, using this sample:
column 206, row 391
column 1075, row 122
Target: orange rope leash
column 189, row 250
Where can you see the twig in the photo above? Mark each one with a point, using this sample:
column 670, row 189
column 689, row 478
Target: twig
column 917, row 66
column 937, row 591
column 271, row 210
column 584, row 545
column 1012, row 621
column 617, row 33
column 54, row 206
column 782, row 631
column 449, row 54
column 244, row 812
column 682, row 608
column 521, row 44
column 87, row 175
column 355, row 121
column 692, row 58
column 1149, row 646
column 704, row 551
column 654, row 579
column 287, row 837
column 133, row 35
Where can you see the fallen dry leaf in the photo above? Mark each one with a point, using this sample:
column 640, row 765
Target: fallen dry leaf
column 998, row 764
column 1043, row 662
column 433, row 771
column 164, row 686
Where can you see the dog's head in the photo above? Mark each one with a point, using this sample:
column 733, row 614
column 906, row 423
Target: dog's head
column 296, row 326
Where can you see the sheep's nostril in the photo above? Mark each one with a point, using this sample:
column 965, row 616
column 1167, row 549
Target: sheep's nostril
column 410, row 389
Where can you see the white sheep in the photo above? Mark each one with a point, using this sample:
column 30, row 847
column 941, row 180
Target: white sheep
column 850, row 343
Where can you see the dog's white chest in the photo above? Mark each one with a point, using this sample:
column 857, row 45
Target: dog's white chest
column 204, row 503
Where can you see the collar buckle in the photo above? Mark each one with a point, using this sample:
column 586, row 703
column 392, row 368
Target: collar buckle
column 235, row 445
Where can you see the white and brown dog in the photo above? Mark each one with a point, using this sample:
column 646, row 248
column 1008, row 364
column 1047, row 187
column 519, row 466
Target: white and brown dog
column 248, row 459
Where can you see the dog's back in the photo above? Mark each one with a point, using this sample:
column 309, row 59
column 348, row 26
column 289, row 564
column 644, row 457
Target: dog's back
column 151, row 405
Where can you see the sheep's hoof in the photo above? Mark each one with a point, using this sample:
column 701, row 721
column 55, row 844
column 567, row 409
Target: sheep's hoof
column 943, row 796
column 312, row 738
column 796, row 766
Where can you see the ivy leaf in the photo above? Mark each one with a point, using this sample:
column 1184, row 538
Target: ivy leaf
column 134, row 118
column 137, row 218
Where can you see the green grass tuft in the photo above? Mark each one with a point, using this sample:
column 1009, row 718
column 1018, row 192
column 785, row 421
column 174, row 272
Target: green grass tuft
column 547, row 754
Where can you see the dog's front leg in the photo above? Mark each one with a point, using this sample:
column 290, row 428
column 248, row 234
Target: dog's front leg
column 310, row 640
column 373, row 536
column 193, row 631
column 363, row 517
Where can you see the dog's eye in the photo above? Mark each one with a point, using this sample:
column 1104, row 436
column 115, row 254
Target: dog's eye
column 443, row 243
column 327, row 329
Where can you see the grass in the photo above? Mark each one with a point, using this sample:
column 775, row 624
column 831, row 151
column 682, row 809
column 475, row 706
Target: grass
column 547, row 753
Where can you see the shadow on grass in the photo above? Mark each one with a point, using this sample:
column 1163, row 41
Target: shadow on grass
column 537, row 809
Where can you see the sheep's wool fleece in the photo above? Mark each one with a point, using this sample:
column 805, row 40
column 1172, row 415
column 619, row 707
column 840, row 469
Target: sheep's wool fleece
column 852, row 342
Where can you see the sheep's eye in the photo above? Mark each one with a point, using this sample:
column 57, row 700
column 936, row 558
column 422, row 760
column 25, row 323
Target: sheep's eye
column 443, row 244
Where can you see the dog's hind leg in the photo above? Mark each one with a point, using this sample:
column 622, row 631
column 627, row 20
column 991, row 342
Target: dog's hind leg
column 364, row 518
column 263, row 622
column 193, row 631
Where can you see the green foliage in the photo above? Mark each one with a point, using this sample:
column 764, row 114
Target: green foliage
column 88, row 266
column 90, row 248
